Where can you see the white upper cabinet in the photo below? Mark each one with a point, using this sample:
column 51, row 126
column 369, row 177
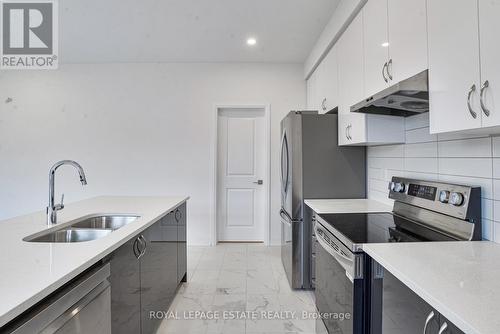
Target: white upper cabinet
column 329, row 86
column 351, row 82
column 489, row 26
column 454, row 70
column 322, row 85
column 356, row 128
column 312, row 91
column 407, row 38
column 376, row 47
column 395, row 42
column 350, row 65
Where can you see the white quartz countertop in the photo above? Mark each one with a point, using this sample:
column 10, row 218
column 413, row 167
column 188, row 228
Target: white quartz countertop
column 346, row 206
column 461, row 280
column 31, row 271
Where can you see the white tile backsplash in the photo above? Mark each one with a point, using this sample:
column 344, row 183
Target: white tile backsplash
column 421, row 150
column 470, row 148
column 477, row 167
column 417, row 121
column 488, row 230
column 422, row 165
column 458, row 158
column 496, row 147
column 420, row 135
column 496, row 168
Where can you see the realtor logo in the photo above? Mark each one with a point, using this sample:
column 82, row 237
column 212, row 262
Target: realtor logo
column 29, row 34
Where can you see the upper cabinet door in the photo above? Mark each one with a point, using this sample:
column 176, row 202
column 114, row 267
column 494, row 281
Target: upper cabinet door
column 376, row 46
column 312, row 91
column 350, row 66
column 407, row 38
column 489, row 26
column 329, row 86
column 454, row 76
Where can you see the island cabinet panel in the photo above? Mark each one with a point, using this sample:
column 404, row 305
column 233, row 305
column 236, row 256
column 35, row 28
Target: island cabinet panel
column 396, row 309
column 125, row 290
column 180, row 217
column 158, row 271
column 145, row 274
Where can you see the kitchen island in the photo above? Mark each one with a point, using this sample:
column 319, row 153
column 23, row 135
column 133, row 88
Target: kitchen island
column 458, row 279
column 32, row 271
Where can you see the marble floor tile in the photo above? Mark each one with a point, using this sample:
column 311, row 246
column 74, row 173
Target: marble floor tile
column 222, row 326
column 231, row 281
column 240, row 277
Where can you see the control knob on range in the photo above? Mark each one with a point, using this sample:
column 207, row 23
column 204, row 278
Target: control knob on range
column 444, row 196
column 456, row 199
column 397, row 187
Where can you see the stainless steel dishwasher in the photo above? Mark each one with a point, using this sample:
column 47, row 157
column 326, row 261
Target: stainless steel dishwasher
column 83, row 306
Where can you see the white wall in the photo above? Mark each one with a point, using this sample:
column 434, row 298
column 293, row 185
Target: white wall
column 457, row 158
column 137, row 129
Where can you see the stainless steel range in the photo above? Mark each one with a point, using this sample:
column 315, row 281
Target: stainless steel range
column 348, row 283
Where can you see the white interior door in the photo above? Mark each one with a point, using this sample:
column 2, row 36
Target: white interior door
column 241, row 169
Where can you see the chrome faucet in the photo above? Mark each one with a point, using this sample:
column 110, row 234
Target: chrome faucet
column 53, row 208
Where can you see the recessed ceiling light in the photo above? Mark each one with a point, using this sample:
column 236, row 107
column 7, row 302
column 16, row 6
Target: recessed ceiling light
column 251, row 41
column 385, row 44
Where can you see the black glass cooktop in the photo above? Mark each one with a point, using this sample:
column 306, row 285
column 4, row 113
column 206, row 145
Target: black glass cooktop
column 362, row 228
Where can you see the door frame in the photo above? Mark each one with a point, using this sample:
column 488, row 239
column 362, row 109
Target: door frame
column 214, row 161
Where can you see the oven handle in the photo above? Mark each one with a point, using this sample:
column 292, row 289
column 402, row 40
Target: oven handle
column 346, row 262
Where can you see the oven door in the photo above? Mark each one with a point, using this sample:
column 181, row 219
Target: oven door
column 339, row 285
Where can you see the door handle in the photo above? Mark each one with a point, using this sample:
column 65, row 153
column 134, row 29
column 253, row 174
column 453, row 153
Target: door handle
column 428, row 320
column 483, row 106
column 141, row 238
column 323, row 104
column 383, row 72
column 472, row 90
column 389, row 65
column 136, row 249
column 259, row 182
column 444, row 328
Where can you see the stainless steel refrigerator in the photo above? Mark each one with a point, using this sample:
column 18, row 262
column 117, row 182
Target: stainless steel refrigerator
column 313, row 166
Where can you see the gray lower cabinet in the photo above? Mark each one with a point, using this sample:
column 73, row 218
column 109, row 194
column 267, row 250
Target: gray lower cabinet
column 158, row 272
column 125, row 289
column 180, row 219
column 396, row 309
column 145, row 274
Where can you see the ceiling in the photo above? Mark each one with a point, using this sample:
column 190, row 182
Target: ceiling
column 93, row 31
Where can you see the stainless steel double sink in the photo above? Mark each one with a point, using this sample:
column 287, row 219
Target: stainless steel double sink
column 85, row 229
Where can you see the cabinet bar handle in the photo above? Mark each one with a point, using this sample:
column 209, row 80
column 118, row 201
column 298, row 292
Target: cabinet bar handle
column 383, row 72
column 483, row 106
column 135, row 247
column 472, row 112
column 444, row 328
column 143, row 240
column 428, row 320
column 389, row 65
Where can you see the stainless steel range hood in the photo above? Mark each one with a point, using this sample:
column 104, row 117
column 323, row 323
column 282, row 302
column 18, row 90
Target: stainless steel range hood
column 406, row 98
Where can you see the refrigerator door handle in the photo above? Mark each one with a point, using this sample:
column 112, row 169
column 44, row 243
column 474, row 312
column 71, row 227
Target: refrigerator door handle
column 284, row 155
column 285, row 215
